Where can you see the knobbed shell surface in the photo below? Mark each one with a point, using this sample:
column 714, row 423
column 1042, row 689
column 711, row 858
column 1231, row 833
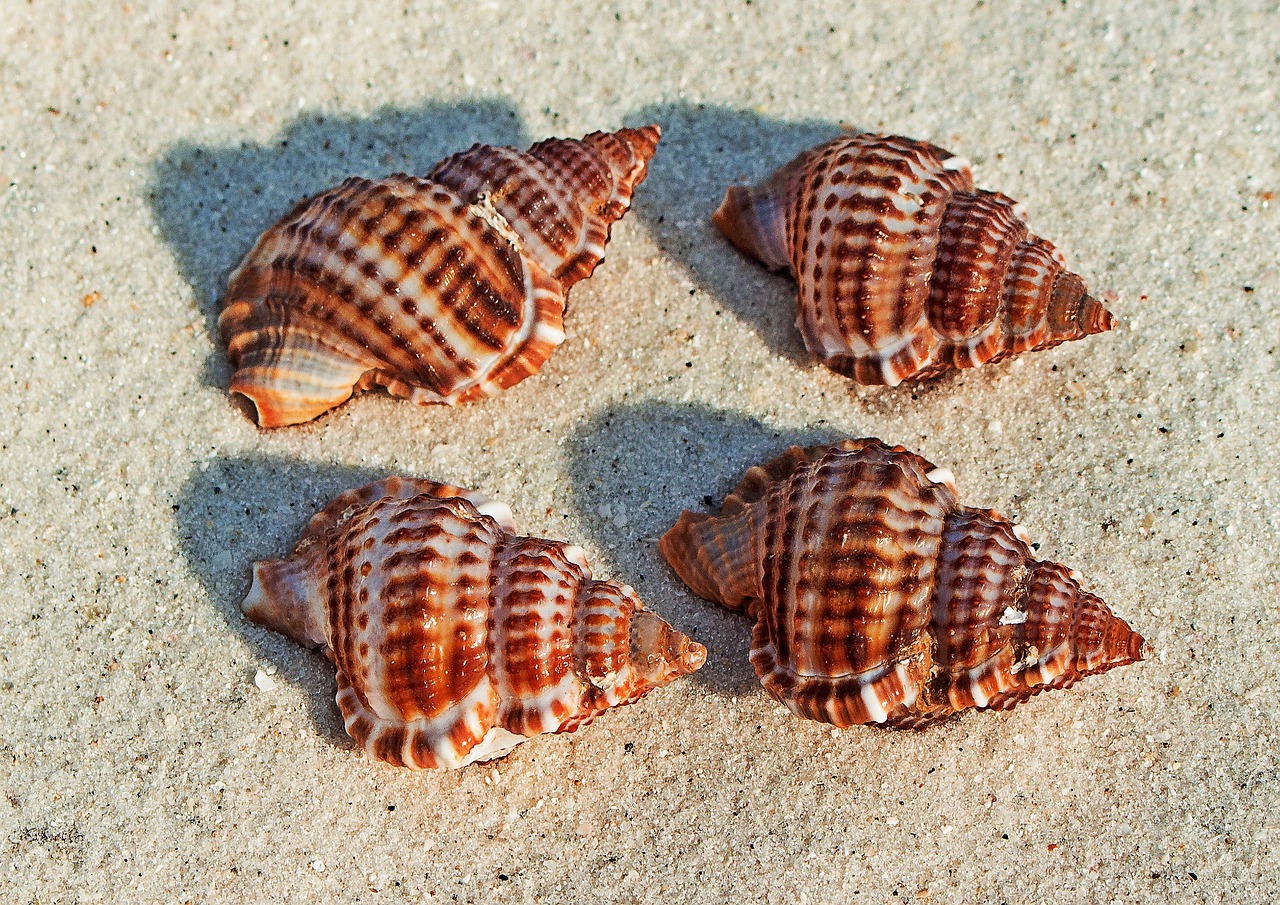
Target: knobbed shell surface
column 904, row 268
column 441, row 288
column 455, row 638
column 877, row 598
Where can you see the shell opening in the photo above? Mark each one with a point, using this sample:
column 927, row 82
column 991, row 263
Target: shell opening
column 248, row 406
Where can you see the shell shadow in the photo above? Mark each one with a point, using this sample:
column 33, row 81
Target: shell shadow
column 634, row 467
column 233, row 510
column 704, row 150
column 211, row 202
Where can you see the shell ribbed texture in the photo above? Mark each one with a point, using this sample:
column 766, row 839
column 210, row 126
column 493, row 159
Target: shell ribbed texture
column 877, row 598
column 904, row 268
column 442, row 289
column 454, row 637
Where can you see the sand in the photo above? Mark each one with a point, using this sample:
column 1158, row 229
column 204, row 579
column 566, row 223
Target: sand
column 158, row 748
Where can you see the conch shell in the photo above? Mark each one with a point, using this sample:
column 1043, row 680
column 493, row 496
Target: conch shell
column 455, row 638
column 904, row 268
column 441, row 289
column 877, row 598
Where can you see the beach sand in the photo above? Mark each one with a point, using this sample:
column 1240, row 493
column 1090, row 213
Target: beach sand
column 156, row 747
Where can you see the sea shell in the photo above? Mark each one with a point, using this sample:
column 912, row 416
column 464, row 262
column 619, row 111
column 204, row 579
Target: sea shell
column 455, row 638
column 441, row 289
column 904, row 268
column 877, row 598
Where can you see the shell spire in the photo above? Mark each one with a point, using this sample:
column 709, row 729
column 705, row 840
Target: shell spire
column 454, row 637
column 441, row 289
column 878, row 598
column 904, row 268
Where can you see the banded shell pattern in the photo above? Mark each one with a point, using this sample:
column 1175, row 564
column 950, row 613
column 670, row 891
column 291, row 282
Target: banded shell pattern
column 455, row 638
column 905, row 270
column 877, row 598
column 441, row 289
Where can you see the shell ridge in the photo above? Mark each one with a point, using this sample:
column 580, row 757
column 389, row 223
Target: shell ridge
column 424, row 585
column 601, row 619
column 977, row 238
column 340, row 509
column 489, row 368
column 780, row 529
column 714, row 557
column 495, row 631
column 445, row 739
column 927, row 186
column 535, row 650
column 541, row 331
column 525, row 203
column 814, row 308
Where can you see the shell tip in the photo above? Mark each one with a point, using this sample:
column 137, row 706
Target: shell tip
column 1122, row 645
column 627, row 153
column 643, row 139
column 1094, row 318
column 279, row 599
column 753, row 221
column 1073, row 313
column 680, row 549
column 254, row 602
column 660, row 652
column 692, row 657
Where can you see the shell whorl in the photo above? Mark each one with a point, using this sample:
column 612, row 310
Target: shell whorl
column 442, row 289
column 455, row 638
column 877, row 598
column 904, row 268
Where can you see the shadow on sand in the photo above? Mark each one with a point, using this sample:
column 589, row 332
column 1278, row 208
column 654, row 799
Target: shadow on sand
column 211, row 202
column 235, row 510
column 704, row 150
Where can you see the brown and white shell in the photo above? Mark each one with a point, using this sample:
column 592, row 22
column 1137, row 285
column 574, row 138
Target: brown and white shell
column 441, row 289
column 455, row 638
column 905, row 270
column 877, row 598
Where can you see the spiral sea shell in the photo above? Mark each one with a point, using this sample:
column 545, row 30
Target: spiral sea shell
column 904, row 268
column 455, row 638
column 877, row 598
column 441, row 289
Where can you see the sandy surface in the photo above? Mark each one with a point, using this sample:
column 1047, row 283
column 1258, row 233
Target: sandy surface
column 143, row 147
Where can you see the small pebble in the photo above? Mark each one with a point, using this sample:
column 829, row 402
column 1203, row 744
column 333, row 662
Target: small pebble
column 264, row 681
